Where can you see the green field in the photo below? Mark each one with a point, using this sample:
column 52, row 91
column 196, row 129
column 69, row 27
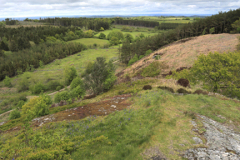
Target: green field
column 134, row 34
column 91, row 41
column 164, row 19
column 55, row 70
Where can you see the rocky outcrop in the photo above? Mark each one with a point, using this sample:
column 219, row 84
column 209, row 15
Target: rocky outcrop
column 222, row 143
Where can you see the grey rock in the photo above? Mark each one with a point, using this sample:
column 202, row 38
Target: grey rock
column 197, row 140
column 223, row 143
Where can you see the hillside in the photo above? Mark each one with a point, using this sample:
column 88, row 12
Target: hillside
column 183, row 52
column 128, row 122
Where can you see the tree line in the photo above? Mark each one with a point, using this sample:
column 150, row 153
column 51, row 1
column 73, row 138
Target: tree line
column 136, row 22
column 15, row 39
column 165, row 26
column 9, row 21
column 219, row 23
column 28, row 59
column 89, row 23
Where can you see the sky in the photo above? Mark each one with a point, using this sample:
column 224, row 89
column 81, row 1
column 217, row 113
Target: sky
column 33, row 8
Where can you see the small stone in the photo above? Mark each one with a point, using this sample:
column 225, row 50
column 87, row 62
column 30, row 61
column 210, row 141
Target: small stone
column 197, row 140
column 113, row 106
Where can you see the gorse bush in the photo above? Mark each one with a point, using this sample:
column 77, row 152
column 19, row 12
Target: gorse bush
column 152, row 70
column 69, row 73
column 133, row 60
column 52, row 85
column 117, row 34
column 37, row 106
column 61, row 96
column 37, row 88
column 7, row 82
column 14, row 114
column 76, row 82
column 148, row 52
column 23, row 84
column 20, row 104
column 102, row 36
column 77, row 92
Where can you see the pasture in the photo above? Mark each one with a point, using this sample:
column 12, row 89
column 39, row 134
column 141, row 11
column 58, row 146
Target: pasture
column 91, row 41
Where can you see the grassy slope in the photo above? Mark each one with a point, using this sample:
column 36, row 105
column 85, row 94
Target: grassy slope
column 91, row 41
column 156, row 118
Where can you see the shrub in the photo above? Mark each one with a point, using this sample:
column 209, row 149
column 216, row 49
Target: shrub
column 70, row 73
column 181, row 90
column 20, row 104
column 152, row 70
column 88, row 69
column 128, row 37
column 183, row 82
column 23, row 84
column 77, row 92
column 52, row 85
column 133, row 60
column 110, row 80
column 89, row 34
column 41, row 64
column 37, row 106
column 61, row 96
column 37, row 88
column 41, row 107
column 117, row 34
column 114, row 41
column 147, row 87
column 148, row 52
column 166, row 88
column 141, row 56
column 199, row 91
column 14, row 114
column 7, row 82
column 76, row 82
column 102, row 36
column 100, row 73
column 59, row 88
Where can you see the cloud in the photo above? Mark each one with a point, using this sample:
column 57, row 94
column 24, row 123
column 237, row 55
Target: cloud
column 30, row 8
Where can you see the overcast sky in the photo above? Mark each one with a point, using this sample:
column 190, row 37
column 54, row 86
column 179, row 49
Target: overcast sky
column 31, row 8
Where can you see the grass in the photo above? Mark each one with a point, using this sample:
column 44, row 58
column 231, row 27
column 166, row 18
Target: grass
column 54, row 70
column 156, row 118
column 91, row 41
column 164, row 19
column 134, row 34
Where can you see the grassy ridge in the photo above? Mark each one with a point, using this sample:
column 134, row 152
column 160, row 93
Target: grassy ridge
column 156, row 118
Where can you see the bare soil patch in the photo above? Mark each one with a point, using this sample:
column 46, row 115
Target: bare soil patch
column 102, row 108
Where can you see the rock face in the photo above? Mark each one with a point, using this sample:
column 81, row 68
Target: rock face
column 223, row 143
column 183, row 82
